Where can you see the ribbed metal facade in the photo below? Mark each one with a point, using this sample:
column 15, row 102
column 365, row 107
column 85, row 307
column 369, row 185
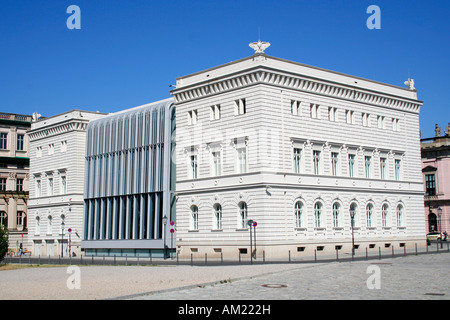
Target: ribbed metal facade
column 128, row 180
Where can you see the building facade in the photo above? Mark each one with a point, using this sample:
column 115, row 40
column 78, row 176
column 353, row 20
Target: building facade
column 14, row 177
column 128, row 189
column 57, row 152
column 298, row 149
column 436, row 177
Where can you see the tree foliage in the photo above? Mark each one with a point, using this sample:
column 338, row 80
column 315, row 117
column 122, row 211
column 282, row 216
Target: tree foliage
column 4, row 236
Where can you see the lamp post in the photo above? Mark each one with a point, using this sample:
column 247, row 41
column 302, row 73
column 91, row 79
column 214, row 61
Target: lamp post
column 62, row 238
column 439, row 210
column 352, row 216
column 165, row 247
column 250, row 224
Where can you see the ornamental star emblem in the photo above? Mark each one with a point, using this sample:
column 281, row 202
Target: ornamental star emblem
column 259, row 46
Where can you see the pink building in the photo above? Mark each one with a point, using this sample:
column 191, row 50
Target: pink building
column 436, row 177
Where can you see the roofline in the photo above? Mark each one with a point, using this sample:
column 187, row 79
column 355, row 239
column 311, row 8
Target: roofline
column 295, row 63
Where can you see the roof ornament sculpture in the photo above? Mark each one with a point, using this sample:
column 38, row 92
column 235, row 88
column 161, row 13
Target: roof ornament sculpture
column 410, row 84
column 259, row 46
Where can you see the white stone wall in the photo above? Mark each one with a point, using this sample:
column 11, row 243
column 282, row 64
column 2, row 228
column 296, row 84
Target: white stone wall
column 67, row 133
column 270, row 130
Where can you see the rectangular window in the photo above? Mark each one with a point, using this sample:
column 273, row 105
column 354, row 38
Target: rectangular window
column 240, row 107
column 51, row 149
column 314, row 111
column 368, row 166
column 216, row 163
column 20, row 141
column 381, row 122
column 193, row 167
column 296, row 108
column 63, row 146
column 334, row 163
column 50, row 187
column 332, row 114
column 19, row 185
column 3, row 140
column 214, row 112
column 383, row 168
column 63, row 189
column 297, row 160
column 20, row 218
column 316, row 161
column 241, row 160
column 365, row 120
column 2, row 184
column 38, row 152
column 192, row 117
column 430, row 183
column 351, row 165
column 398, row 168
column 349, row 117
column 38, row 187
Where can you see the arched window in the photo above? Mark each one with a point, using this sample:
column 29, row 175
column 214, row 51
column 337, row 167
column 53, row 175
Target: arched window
column 369, row 215
column 38, row 225
column 318, row 214
column 399, row 215
column 353, row 214
column 194, row 218
column 385, row 215
column 243, row 213
column 217, row 216
column 298, row 211
column 336, row 215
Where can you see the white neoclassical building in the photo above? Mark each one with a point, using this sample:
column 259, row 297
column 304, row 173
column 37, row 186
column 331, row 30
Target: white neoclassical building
column 297, row 149
column 57, row 160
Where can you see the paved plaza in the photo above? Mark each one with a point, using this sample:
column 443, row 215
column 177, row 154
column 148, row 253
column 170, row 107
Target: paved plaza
column 412, row 277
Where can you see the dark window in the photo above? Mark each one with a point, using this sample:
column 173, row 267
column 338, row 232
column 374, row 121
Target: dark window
column 430, row 183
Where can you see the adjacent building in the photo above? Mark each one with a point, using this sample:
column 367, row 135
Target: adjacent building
column 436, row 177
column 14, row 177
column 129, row 182
column 55, row 209
column 309, row 154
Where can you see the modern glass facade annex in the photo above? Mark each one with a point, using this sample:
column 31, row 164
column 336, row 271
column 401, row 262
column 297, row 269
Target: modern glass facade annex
column 128, row 181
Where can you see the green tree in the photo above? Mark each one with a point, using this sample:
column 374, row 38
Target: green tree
column 3, row 242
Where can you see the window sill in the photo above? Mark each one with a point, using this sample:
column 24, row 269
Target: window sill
column 241, row 229
column 193, row 230
column 216, row 230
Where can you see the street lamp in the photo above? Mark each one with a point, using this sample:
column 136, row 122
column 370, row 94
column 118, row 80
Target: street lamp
column 439, row 210
column 352, row 216
column 165, row 247
column 62, row 238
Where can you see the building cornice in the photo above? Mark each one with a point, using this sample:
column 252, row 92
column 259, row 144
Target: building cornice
column 58, row 128
column 270, row 76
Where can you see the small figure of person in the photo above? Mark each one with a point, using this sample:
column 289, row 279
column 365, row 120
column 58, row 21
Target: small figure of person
column 20, row 250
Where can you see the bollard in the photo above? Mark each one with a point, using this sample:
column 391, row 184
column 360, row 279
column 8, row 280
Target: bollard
column 367, row 254
column 404, row 250
column 239, row 257
column 379, row 253
column 177, row 256
column 289, row 256
column 114, row 259
column 221, row 257
column 437, row 246
column 192, row 262
column 103, row 259
column 415, row 245
column 264, row 256
column 337, row 255
column 315, row 255
column 126, row 259
column 206, row 258
column 392, row 251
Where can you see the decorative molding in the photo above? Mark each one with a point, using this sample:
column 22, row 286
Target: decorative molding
column 301, row 83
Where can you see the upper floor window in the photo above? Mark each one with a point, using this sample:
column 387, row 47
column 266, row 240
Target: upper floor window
column 63, row 146
column 383, row 168
column 399, row 215
column 214, row 112
column 192, row 117
column 369, row 215
column 243, row 215
column 194, row 218
column 314, row 111
column 20, row 142
column 38, row 152
column 332, row 114
column 2, row 184
column 385, row 215
column 334, row 163
column 241, row 160
column 240, row 107
column 51, row 148
column 351, row 165
column 316, row 161
column 365, row 120
column 63, row 184
column 296, row 107
column 193, row 167
column 298, row 214
column 19, row 185
column 336, row 215
column 3, row 140
column 368, row 166
column 398, row 167
column 349, row 116
column 216, row 163
column 297, row 160
column 317, row 215
column 218, row 216
column 430, row 184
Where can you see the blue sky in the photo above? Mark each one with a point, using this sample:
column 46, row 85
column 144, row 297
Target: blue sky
column 128, row 52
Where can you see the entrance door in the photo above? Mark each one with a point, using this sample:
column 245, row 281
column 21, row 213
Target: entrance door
column 432, row 222
column 50, row 248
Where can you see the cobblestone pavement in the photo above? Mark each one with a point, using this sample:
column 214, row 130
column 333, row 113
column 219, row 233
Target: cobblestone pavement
column 411, row 277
